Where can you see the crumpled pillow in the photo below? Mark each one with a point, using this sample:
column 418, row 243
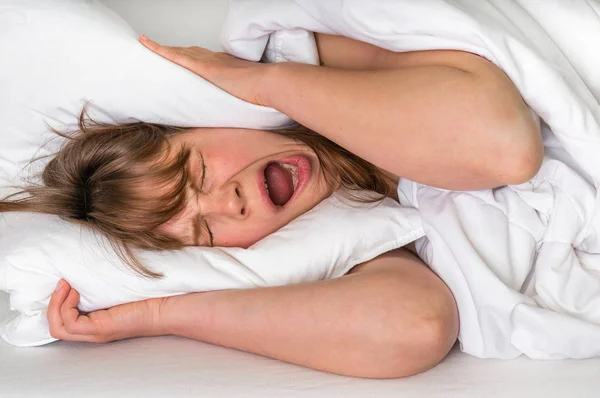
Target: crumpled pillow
column 57, row 56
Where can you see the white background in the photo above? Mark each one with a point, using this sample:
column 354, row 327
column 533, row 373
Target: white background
column 198, row 22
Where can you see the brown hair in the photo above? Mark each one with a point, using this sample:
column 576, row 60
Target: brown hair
column 101, row 175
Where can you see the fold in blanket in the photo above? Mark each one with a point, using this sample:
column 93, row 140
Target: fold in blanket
column 522, row 261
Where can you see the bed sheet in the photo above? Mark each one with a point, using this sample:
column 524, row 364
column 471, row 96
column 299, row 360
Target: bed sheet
column 176, row 367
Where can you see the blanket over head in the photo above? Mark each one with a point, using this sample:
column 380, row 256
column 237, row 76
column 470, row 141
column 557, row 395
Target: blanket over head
column 522, row 261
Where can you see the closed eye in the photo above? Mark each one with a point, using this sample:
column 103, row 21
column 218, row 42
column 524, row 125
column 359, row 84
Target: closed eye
column 200, row 227
column 200, row 221
column 210, row 234
column 203, row 173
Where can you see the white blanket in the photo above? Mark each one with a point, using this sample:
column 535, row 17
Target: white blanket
column 522, row 260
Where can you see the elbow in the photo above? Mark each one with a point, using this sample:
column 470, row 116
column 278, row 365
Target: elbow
column 519, row 152
column 521, row 162
column 438, row 336
column 409, row 344
column 434, row 336
column 519, row 166
column 430, row 342
column 513, row 148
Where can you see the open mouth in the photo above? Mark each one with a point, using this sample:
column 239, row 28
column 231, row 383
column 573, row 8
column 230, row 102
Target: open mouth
column 284, row 179
column 281, row 181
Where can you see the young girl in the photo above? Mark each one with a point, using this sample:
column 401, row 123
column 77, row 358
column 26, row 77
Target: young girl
column 444, row 118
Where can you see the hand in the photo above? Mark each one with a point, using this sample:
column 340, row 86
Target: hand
column 238, row 77
column 120, row 322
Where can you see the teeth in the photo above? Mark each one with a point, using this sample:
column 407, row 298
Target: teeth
column 266, row 186
column 293, row 171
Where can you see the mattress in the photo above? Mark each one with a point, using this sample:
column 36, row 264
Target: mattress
column 177, row 367
column 172, row 366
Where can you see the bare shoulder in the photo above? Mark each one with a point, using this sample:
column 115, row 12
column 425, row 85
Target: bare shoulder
column 403, row 257
column 346, row 53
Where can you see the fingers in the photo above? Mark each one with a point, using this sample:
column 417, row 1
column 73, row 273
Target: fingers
column 55, row 321
column 64, row 319
column 170, row 53
column 150, row 44
column 74, row 322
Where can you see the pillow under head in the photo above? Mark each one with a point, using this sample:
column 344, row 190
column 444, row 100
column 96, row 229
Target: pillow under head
column 61, row 55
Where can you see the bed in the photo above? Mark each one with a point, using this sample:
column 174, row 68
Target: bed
column 177, row 367
column 171, row 366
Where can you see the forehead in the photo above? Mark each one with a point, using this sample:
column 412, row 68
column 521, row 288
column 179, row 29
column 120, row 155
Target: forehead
column 180, row 224
column 176, row 190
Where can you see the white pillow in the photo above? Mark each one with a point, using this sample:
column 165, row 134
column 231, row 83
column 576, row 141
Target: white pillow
column 57, row 55
column 323, row 243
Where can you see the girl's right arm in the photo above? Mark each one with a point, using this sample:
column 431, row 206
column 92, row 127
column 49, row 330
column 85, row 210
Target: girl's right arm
column 390, row 317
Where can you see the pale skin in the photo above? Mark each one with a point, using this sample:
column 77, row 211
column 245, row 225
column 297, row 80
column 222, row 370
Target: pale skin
column 391, row 316
column 225, row 206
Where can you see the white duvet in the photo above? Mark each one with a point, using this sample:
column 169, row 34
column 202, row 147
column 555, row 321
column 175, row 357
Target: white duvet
column 522, row 261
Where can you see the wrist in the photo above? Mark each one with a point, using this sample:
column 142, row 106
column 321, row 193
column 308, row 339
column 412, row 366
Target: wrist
column 183, row 315
column 277, row 81
column 268, row 83
column 283, row 84
column 159, row 320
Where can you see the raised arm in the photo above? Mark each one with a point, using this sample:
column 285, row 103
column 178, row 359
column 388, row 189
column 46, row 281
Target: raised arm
column 444, row 118
column 390, row 317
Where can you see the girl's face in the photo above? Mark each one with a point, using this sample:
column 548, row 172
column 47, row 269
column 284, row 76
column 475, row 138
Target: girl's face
column 244, row 185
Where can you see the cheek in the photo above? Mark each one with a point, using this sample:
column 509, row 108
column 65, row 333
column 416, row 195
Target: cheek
column 250, row 231
column 223, row 166
column 237, row 151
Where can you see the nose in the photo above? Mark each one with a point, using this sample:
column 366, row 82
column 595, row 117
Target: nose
column 224, row 201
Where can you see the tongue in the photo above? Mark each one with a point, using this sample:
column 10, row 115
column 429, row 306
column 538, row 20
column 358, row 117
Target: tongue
column 280, row 183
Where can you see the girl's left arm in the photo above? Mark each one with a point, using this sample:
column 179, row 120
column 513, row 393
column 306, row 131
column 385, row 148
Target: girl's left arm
column 390, row 317
column 448, row 119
